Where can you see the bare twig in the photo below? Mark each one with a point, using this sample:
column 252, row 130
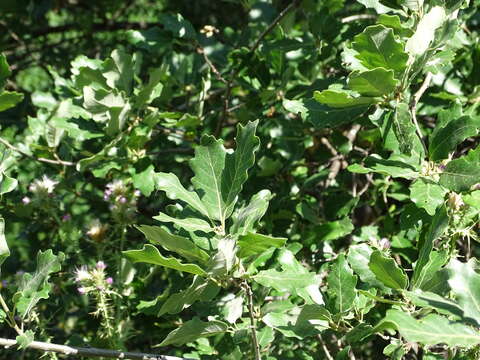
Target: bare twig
column 253, row 48
column 50, row 161
column 88, row 352
column 219, row 76
column 274, row 23
column 413, row 107
column 325, row 349
column 256, row 346
column 423, row 88
column 11, row 319
column 366, row 186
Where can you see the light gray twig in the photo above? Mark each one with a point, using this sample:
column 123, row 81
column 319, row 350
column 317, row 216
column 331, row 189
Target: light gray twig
column 88, row 352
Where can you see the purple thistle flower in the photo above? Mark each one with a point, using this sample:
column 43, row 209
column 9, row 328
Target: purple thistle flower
column 109, row 280
column 101, row 265
column 26, row 200
column 122, row 200
column 66, row 217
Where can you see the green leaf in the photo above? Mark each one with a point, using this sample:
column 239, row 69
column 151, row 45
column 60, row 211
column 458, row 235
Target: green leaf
column 182, row 246
column 192, row 330
column 341, row 285
column 145, row 180
column 285, row 281
column 25, row 339
column 322, row 116
column 453, row 133
column 34, row 287
column 462, row 173
column 253, row 244
column 419, row 43
column 208, row 166
column 404, row 128
column 430, row 330
column 377, row 47
column 118, row 70
column 376, row 82
column 393, row 167
column 334, row 229
column 311, row 293
column 437, row 228
column 232, row 308
column 152, row 90
column 178, row 26
column 427, row 195
column 175, row 190
column 464, row 282
column 341, row 99
column 151, row 255
column 359, row 257
column 9, row 99
column 237, row 164
column 245, row 219
column 376, row 5
column 429, row 300
column 7, row 183
column 200, row 290
column 225, row 258
column 4, row 250
column 265, row 336
column 312, row 320
column 189, row 224
column 107, row 105
column 387, row 271
column 4, row 70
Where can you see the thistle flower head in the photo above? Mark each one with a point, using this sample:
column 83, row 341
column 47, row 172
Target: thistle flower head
column 100, row 265
column 43, row 186
column 82, row 274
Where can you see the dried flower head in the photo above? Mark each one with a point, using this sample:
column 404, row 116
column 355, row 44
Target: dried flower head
column 209, row 30
column 97, row 230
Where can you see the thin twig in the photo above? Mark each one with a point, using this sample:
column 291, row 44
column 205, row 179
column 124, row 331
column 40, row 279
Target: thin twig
column 274, row 23
column 219, row 76
column 253, row 48
column 423, row 88
column 50, row 161
column 324, row 347
column 88, row 352
column 11, row 319
column 413, row 107
column 256, row 346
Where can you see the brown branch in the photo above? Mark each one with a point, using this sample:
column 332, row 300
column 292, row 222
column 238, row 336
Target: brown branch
column 88, row 352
